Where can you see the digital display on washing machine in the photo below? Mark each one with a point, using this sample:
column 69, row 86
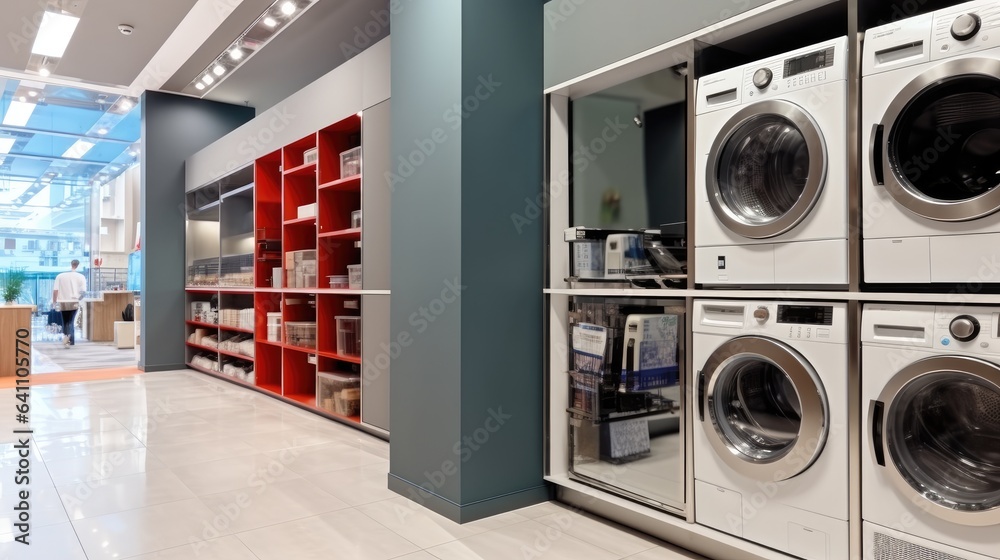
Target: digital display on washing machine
column 805, row 314
column 808, row 62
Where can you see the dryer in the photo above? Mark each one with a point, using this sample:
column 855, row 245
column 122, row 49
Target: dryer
column 931, row 468
column 931, row 126
column 770, row 429
column 771, row 171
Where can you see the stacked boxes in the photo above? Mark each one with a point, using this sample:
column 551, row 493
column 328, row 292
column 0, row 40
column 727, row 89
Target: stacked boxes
column 300, row 268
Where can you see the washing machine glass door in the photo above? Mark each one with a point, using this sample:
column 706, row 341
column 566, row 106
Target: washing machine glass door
column 766, row 169
column 763, row 408
column 936, row 433
column 937, row 150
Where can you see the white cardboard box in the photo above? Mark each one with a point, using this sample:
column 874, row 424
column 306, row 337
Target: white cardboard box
column 307, row 211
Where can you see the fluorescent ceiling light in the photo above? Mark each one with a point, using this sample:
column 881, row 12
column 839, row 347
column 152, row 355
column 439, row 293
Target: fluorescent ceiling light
column 54, row 34
column 78, row 149
column 199, row 85
column 236, row 54
column 6, row 144
column 18, row 113
column 33, row 93
column 44, row 72
column 208, row 79
column 218, row 70
column 288, row 8
column 125, row 104
column 270, row 22
column 22, row 99
column 102, row 131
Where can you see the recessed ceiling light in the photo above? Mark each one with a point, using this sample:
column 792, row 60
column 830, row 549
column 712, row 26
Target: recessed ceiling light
column 199, row 85
column 288, row 8
column 270, row 22
column 102, row 131
column 78, row 149
column 44, row 72
column 33, row 93
column 236, row 54
column 208, row 79
column 18, row 113
column 54, row 34
column 46, row 179
column 133, row 153
column 6, row 144
column 218, row 70
column 22, row 99
column 125, row 104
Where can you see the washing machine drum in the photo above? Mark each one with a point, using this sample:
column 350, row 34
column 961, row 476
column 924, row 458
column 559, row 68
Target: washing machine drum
column 937, row 150
column 763, row 408
column 766, row 169
column 936, row 431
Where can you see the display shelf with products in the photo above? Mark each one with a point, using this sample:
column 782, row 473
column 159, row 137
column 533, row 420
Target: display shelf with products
column 285, row 300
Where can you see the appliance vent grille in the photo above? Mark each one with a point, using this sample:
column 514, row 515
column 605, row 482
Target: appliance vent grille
column 891, row 548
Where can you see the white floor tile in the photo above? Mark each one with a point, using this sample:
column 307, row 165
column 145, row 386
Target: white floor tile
column 84, row 444
column 666, row 552
column 224, row 548
column 46, row 543
column 523, row 540
column 356, row 485
column 141, row 531
column 180, row 454
column 96, row 498
column 425, row 528
column 542, row 509
column 233, row 473
column 270, row 504
column 327, row 457
column 98, row 467
column 43, row 506
column 618, row 540
column 344, row 535
column 295, row 437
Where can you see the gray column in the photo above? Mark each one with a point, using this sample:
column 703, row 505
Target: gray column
column 173, row 128
column 466, row 305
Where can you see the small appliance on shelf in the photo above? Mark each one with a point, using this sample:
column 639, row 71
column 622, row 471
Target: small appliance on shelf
column 644, row 258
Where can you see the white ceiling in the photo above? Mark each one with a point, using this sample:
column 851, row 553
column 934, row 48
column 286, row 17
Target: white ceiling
column 174, row 41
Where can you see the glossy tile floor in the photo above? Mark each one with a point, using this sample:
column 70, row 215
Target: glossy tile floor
column 173, row 466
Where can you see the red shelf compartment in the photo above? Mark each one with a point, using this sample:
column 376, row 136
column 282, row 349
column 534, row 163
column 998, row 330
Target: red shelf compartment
column 307, row 221
column 308, row 169
column 330, row 306
column 335, row 208
column 332, row 141
column 352, row 234
column 335, row 356
column 335, row 253
column 349, row 184
column 267, row 366
column 299, row 190
column 298, row 377
column 292, row 155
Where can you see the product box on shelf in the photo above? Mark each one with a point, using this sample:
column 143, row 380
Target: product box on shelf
column 350, row 162
column 301, row 333
column 356, row 219
column 307, row 211
column 354, row 276
column 201, row 311
column 310, row 156
column 349, row 336
column 274, row 326
column 339, row 393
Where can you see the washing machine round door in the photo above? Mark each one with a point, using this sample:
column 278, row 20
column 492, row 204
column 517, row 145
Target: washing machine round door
column 763, row 408
column 937, row 149
column 935, row 430
column 766, row 169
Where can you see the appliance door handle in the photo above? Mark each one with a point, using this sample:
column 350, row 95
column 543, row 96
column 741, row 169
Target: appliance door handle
column 878, row 423
column 877, row 158
column 630, row 365
column 701, row 395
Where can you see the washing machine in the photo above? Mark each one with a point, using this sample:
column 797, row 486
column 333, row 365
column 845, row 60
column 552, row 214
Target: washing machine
column 770, row 429
column 931, row 127
column 771, row 173
column 931, row 453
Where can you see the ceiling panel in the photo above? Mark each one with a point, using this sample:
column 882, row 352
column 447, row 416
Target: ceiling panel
column 17, row 29
column 312, row 46
column 100, row 54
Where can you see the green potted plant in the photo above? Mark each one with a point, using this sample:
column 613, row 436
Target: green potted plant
column 13, row 284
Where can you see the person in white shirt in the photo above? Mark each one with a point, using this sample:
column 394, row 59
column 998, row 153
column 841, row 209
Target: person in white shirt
column 67, row 291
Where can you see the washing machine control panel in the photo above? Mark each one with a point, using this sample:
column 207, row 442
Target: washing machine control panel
column 796, row 70
column 967, row 329
column 805, row 321
column 965, row 28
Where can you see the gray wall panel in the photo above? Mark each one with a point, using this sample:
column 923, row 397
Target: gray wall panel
column 501, row 264
column 376, row 202
column 426, row 244
column 173, row 128
column 584, row 35
column 375, row 392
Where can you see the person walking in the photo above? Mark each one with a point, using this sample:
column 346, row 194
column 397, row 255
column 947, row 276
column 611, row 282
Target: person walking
column 67, row 291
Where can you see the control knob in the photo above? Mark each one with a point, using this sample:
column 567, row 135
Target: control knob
column 964, row 328
column 761, row 314
column 762, row 78
column 965, row 26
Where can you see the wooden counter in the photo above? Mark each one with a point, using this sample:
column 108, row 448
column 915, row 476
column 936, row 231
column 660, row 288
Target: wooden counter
column 12, row 319
column 99, row 316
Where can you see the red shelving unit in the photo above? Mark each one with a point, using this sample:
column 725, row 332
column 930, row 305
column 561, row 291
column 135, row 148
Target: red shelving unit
column 283, row 182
